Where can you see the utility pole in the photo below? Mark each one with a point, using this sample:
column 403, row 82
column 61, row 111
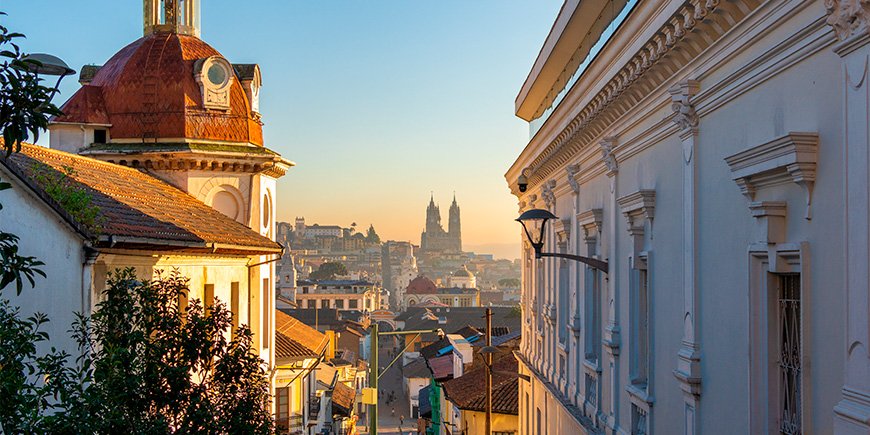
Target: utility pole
column 373, row 379
column 488, row 372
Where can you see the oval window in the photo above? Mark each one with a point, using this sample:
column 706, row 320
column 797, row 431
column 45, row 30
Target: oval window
column 267, row 210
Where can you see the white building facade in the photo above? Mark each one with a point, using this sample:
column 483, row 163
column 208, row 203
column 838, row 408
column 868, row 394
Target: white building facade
column 715, row 154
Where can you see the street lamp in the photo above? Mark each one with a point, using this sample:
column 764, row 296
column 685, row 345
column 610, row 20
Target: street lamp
column 45, row 64
column 534, row 223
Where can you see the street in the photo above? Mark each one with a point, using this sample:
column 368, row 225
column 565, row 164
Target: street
column 391, row 412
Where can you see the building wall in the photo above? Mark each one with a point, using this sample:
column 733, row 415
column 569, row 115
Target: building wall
column 474, row 423
column 776, row 72
column 44, row 235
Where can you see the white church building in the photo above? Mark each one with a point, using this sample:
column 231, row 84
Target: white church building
column 716, row 155
column 166, row 140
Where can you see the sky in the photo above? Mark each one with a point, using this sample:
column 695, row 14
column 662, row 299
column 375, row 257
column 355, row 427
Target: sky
column 379, row 102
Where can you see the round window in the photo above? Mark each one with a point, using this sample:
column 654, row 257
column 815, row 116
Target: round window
column 217, row 74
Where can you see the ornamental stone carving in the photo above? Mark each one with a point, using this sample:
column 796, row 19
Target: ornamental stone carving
column 848, row 17
column 572, row 171
column 607, row 155
column 681, row 103
column 547, row 194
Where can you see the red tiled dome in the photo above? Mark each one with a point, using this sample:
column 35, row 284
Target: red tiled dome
column 148, row 90
column 421, row 285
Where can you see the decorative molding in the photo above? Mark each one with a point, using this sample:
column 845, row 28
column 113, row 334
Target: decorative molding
column 640, row 204
column 691, row 29
column 789, row 158
column 683, row 107
column 848, row 18
column 770, row 217
column 547, row 194
column 532, row 199
column 607, row 145
column 573, row 171
column 562, row 228
column 591, row 221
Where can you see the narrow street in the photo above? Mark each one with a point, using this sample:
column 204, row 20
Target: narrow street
column 390, row 412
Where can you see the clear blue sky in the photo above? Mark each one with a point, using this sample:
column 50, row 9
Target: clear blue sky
column 379, row 102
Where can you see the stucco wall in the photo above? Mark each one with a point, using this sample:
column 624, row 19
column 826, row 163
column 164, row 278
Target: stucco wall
column 44, row 235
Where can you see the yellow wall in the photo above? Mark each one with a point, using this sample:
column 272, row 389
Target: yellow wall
column 474, row 422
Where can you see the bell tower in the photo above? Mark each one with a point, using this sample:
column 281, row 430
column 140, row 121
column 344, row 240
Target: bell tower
column 172, row 16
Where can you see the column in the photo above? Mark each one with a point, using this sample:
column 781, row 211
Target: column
column 688, row 371
column 849, row 18
column 611, row 337
column 575, row 345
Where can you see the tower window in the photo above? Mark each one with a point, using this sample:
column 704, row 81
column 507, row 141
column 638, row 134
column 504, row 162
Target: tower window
column 100, row 135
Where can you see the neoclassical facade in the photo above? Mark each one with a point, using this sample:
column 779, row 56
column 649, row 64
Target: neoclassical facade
column 715, row 155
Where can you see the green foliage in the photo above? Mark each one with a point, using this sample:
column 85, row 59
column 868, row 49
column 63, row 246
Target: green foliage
column 25, row 104
column 372, row 236
column 154, row 368
column 328, row 270
column 29, row 382
column 509, row 283
column 73, row 197
column 145, row 367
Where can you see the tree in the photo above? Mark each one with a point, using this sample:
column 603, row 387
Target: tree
column 328, row 270
column 372, row 236
column 25, row 104
column 151, row 366
column 509, row 283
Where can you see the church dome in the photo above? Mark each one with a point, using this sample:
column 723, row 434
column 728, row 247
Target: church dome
column 463, row 273
column 167, row 85
column 421, row 285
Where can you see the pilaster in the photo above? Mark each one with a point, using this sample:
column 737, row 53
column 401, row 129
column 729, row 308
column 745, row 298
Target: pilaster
column 688, row 371
column 850, row 20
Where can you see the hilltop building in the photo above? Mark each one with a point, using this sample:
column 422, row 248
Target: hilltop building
column 341, row 294
column 714, row 153
column 434, row 239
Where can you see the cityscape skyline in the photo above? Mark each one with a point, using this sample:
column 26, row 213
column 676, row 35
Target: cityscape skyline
column 378, row 162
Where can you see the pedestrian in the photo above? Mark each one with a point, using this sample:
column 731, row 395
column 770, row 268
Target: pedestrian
column 393, row 412
column 401, row 419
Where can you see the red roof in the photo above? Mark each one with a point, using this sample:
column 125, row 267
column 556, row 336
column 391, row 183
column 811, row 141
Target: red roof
column 294, row 339
column 469, row 390
column 134, row 209
column 148, row 89
column 421, row 285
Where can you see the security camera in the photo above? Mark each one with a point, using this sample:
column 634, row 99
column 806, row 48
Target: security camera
column 522, row 183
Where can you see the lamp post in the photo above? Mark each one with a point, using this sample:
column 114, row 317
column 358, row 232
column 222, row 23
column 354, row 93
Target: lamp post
column 373, row 367
column 47, row 65
column 534, row 223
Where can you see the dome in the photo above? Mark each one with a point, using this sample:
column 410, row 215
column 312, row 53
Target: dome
column 463, row 273
column 421, row 285
column 150, row 91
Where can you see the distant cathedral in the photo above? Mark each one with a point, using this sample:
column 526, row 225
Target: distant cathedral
column 434, row 238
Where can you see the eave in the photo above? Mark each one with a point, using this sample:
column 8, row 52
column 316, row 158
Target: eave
column 572, row 30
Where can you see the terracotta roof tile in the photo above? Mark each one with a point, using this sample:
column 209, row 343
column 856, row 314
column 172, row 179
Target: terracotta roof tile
column 135, row 208
column 298, row 340
column 342, row 399
column 421, row 285
column 469, row 390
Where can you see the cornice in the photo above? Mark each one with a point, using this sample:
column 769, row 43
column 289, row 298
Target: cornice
column 690, row 30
